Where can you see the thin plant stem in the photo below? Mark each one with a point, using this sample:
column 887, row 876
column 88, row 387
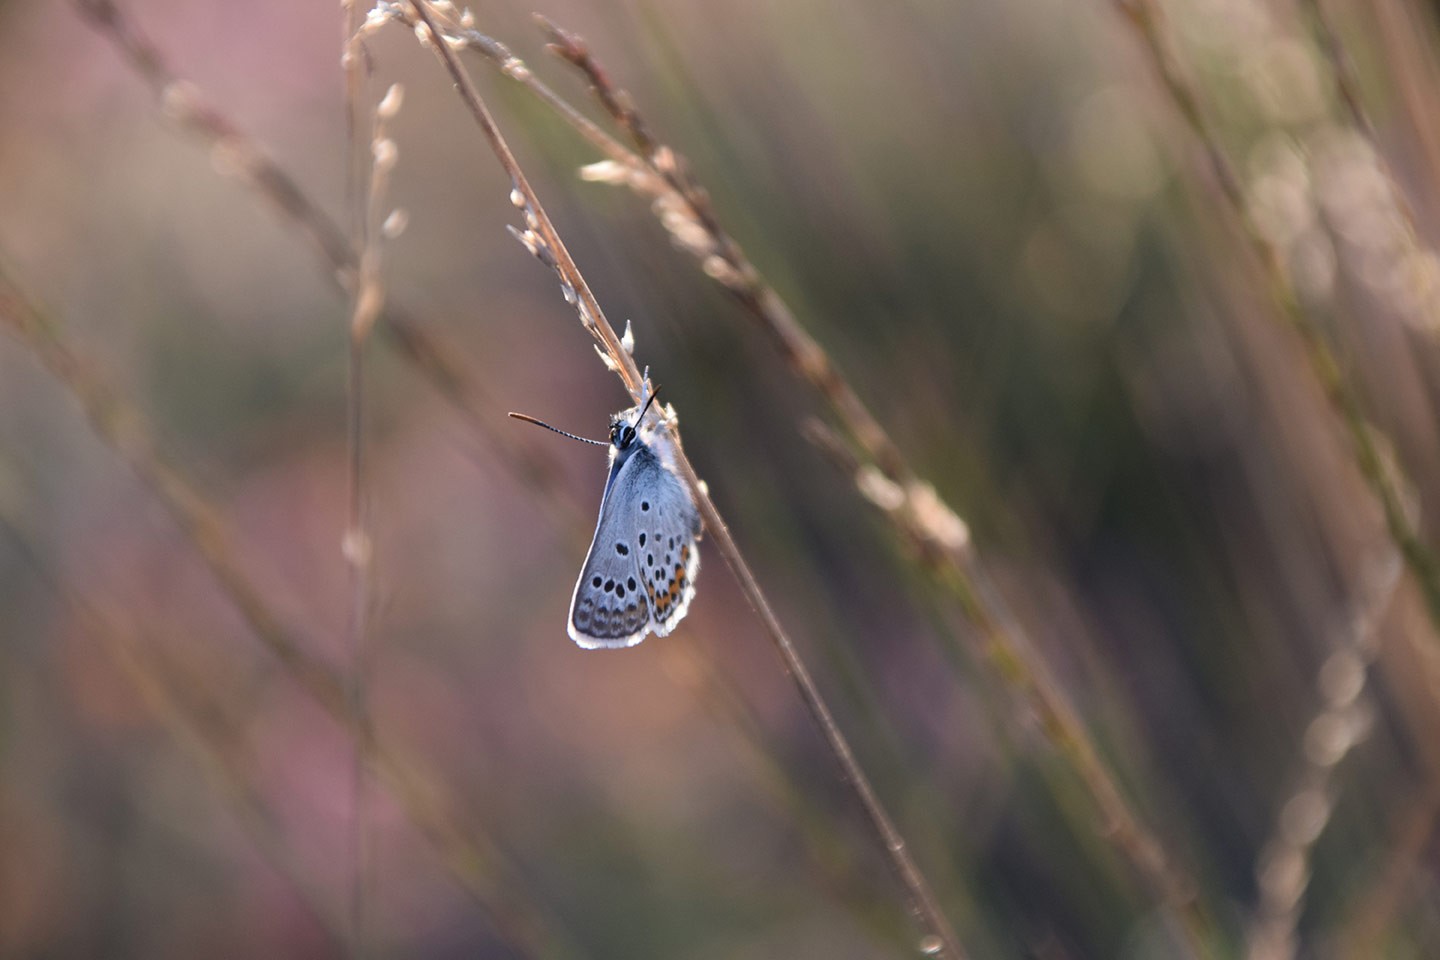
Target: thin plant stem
column 1274, row 932
column 725, row 261
column 1347, row 91
column 1282, row 870
column 1005, row 647
column 217, row 754
column 356, row 541
column 694, row 669
column 460, row 31
column 1405, row 31
column 1346, row 84
column 475, row 861
column 1365, row 442
column 543, row 239
column 433, row 357
column 1362, row 932
column 353, row 69
column 882, row 473
column 1365, row 445
column 424, row 346
column 358, row 545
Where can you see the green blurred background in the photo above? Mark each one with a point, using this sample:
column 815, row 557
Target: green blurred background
column 995, row 220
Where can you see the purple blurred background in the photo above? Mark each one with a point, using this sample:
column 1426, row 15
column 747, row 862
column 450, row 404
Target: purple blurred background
column 991, row 216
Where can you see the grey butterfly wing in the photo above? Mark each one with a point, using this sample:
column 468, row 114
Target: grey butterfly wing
column 640, row 572
column 667, row 552
column 609, row 607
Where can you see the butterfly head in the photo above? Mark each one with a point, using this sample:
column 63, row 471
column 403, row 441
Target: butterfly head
column 624, row 431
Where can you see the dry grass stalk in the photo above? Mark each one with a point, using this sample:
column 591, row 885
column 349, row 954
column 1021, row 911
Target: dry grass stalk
column 358, row 546
column 431, row 357
column 1418, row 300
column 544, row 242
column 215, row 749
column 1341, row 66
column 1404, row 30
column 211, row 744
column 1029, row 678
column 1367, row 445
column 829, row 847
column 1377, row 226
column 354, row 64
column 476, row 863
column 684, row 208
column 1282, row 871
column 938, row 535
column 1362, row 933
column 422, row 345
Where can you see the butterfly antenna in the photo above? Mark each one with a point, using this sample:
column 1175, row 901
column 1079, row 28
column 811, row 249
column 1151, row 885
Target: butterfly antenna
column 542, row 423
column 653, row 394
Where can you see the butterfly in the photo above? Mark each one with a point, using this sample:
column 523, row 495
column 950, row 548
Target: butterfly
column 639, row 576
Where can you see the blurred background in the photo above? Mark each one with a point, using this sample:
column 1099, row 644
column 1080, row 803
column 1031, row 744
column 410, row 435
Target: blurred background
column 995, row 219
